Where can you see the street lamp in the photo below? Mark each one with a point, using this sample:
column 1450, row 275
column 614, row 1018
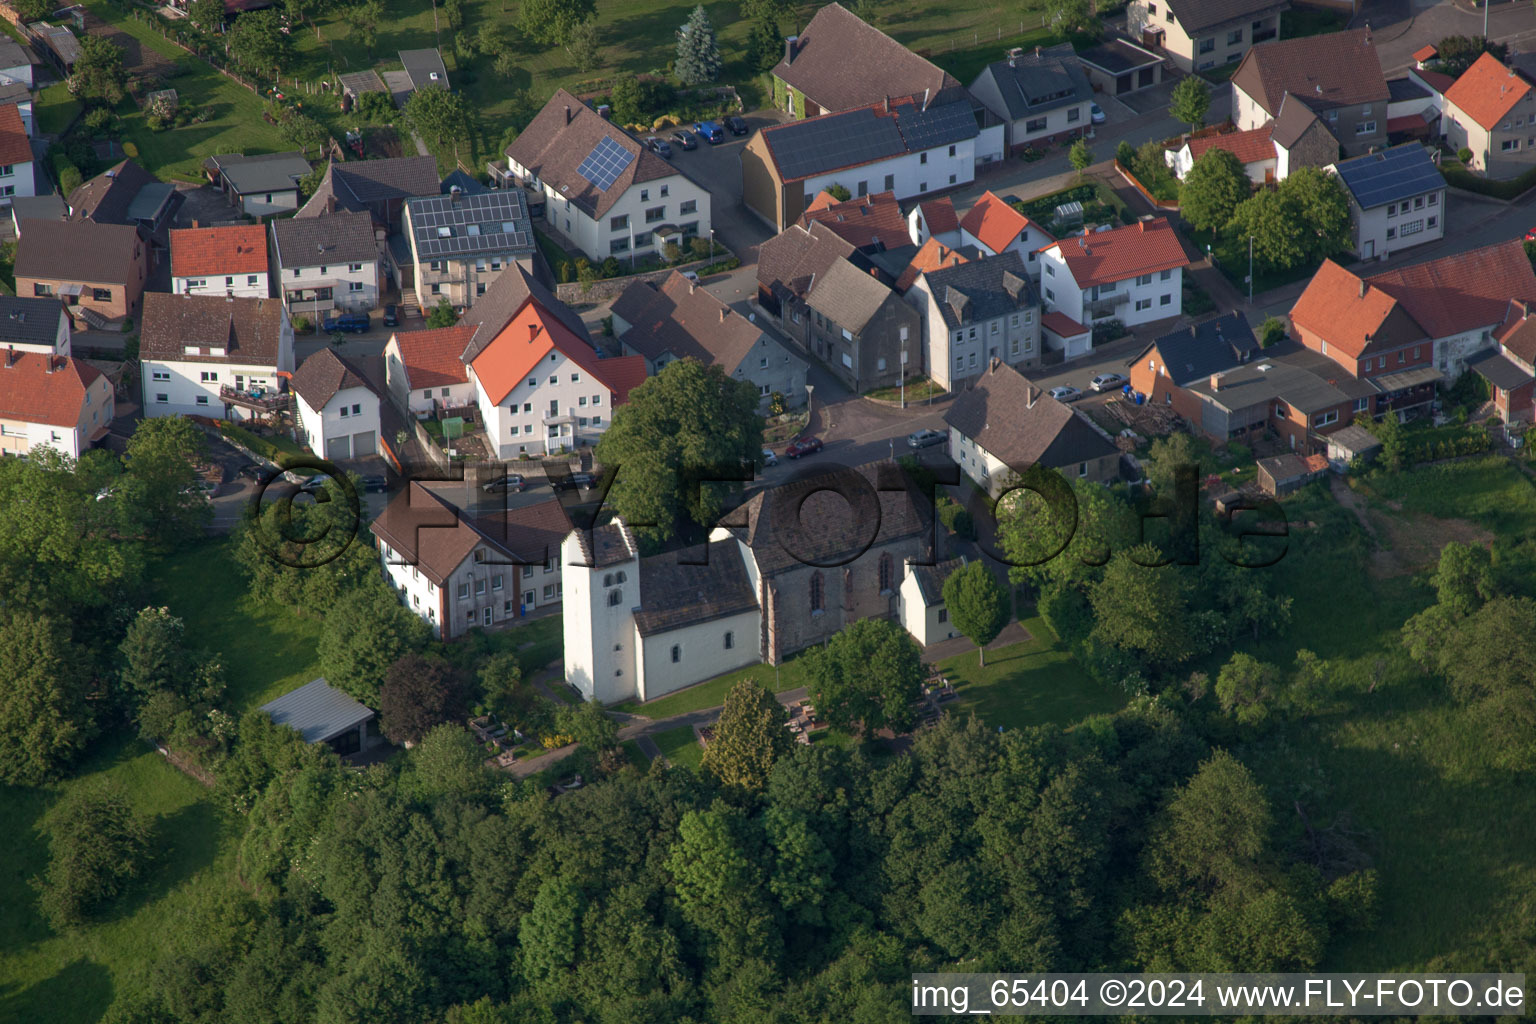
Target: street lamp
column 903, row 370
column 1250, row 270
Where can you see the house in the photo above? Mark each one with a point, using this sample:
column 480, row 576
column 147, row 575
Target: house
column 1396, row 199
column 229, row 260
column 16, row 62
column 1060, row 333
column 920, row 601
column 1254, row 149
column 1491, row 110
column 460, row 243
column 976, row 312
column 1510, row 368
column 327, row 263
column 48, row 207
column 259, row 185
column 839, row 61
column 337, row 406
column 458, row 571
column 831, row 302
column 323, row 714
column 1118, row 67
column 1351, row 443
column 98, row 270
column 1299, row 395
column 1134, row 274
column 932, row 255
column 377, row 187
column 1338, row 76
column 680, row 319
column 1040, row 96
column 127, row 194
column 605, row 192
column 1280, row 475
column 51, row 401
column 212, row 355
column 1413, row 108
column 17, row 179
column 20, row 95
column 1301, row 138
column 540, row 385
column 425, row 69
column 639, row 627
column 1201, row 34
column 425, row 373
column 872, row 222
column 1001, row 425
column 995, row 227
column 1164, row 369
column 934, row 218
column 34, row 325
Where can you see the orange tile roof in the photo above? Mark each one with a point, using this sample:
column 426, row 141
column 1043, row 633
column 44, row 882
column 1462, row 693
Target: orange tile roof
column 28, row 393
column 1253, row 146
column 14, row 147
column 939, row 215
column 934, row 255
column 1517, row 335
column 209, row 252
column 1426, row 52
column 1102, row 257
column 863, row 221
column 1487, row 91
column 994, row 223
column 1350, row 314
column 432, row 357
column 529, row 337
column 1463, row 292
column 1062, row 325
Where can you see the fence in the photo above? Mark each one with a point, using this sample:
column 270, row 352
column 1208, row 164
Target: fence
column 1157, row 204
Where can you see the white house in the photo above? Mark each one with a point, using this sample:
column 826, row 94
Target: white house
column 51, row 401
column 934, row 218
column 994, row 227
column 212, row 356
column 1255, row 150
column 605, row 192
column 227, row 260
column 1396, row 199
column 17, row 178
column 338, row 408
column 15, row 64
column 425, row 372
column 975, row 312
column 34, row 325
column 461, row 242
column 1134, row 274
column 921, row 602
column 259, row 185
column 327, row 263
column 1038, row 96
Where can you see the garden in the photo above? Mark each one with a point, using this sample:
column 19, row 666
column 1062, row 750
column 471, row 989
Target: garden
column 1100, row 206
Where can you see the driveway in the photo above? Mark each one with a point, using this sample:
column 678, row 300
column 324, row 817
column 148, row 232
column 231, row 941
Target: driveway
column 717, row 168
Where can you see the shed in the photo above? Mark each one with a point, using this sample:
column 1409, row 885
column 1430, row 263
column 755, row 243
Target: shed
column 1284, row 474
column 425, row 68
column 1350, row 443
column 323, row 714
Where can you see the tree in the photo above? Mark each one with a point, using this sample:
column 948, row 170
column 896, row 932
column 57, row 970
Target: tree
column 1272, row 330
column 207, row 15
column 418, row 693
column 977, row 603
column 750, row 736
column 1213, row 832
column 1455, row 54
column 721, row 881
column 689, row 422
column 867, row 677
column 157, row 497
column 1463, row 580
column 1143, row 610
column 1267, row 217
column 96, row 847
column 448, row 761
column 1170, row 454
column 154, row 656
column 549, row 935
column 438, row 114
column 1189, row 102
column 34, row 10
column 1080, row 157
column 99, row 76
column 365, row 633
column 1067, row 16
column 550, row 22
column 588, row 724
column 366, row 17
column 1394, row 447
column 453, row 15
column 627, row 100
column 698, row 53
column 1213, row 188
column 257, row 41
column 45, row 717
column 442, row 315
column 1317, row 200
column 301, row 130
column 582, row 44
column 1245, row 686
column 765, row 45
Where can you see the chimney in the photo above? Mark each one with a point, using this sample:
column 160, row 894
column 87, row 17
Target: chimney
column 1032, row 393
column 1141, row 226
column 1362, row 287
column 1037, row 51
column 533, row 331
column 887, row 104
column 10, row 357
column 724, row 310
column 330, row 203
column 1216, row 381
column 49, row 364
column 567, row 113
column 455, row 194
column 196, row 223
column 789, row 48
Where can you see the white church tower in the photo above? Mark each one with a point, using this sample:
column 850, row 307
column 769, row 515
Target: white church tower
column 601, row 576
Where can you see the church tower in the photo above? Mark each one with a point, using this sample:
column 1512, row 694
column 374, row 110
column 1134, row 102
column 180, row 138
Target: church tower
column 600, row 572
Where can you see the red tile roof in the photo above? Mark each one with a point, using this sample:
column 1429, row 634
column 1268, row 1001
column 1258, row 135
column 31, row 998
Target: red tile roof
column 1102, row 257
column 1487, row 91
column 1349, row 314
column 1426, row 52
column 432, row 357
column 1467, row 291
column 939, row 215
column 30, row 394
column 1436, row 80
column 14, row 147
column 1253, row 146
column 1062, row 325
column 1517, row 335
column 209, row 252
column 994, row 223
column 862, row 221
column 934, row 255
column 529, row 337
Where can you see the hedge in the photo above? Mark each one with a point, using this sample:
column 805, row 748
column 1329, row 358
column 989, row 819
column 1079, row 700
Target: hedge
column 1460, row 177
column 270, row 449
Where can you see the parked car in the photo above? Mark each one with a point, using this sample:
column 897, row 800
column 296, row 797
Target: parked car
column 505, row 482
column 347, row 323
column 684, row 138
column 1107, row 381
column 737, row 125
column 311, row 484
column 1096, row 113
column 206, row 488
column 658, row 146
column 576, row 481
column 804, row 446
column 1066, row 393
column 692, row 275
column 391, row 316
column 375, row 483
column 770, row 459
column 709, row 131
column 924, row 438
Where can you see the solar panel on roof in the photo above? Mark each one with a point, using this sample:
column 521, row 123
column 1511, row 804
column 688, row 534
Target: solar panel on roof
column 605, row 163
column 1396, row 173
column 827, row 143
column 938, row 126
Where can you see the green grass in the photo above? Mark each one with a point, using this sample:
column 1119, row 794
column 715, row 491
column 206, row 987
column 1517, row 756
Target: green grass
column 635, row 755
column 1310, row 21
column 54, row 109
column 679, row 746
column 919, row 389
column 1221, row 74
column 711, row 693
column 1488, row 491
column 1035, row 682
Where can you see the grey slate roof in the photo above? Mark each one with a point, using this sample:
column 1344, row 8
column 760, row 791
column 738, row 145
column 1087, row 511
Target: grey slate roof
column 1212, row 347
column 1195, row 15
column 841, row 61
column 1292, row 122
column 449, row 226
column 1022, row 425
column 318, row 711
column 29, row 321
column 345, row 237
column 13, row 54
column 1303, row 379
column 319, row 377
column 422, row 66
column 681, row 593
column 357, row 183
column 271, row 172
column 359, row 82
column 819, row 145
column 1498, row 370
column 1040, row 80
column 1400, row 172
column 1401, row 90
column 979, row 290
column 848, row 295
column 48, row 207
column 463, row 182
column 930, row 579
column 1117, row 56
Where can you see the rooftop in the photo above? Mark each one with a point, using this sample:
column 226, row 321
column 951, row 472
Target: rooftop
column 212, row 329
column 1211, row 347
column 77, row 250
column 29, row 321
column 1350, row 315
column 431, row 357
column 1250, row 147
column 865, row 221
column 1117, row 56
column 343, row 237
column 1146, row 247
column 270, row 172
column 995, row 224
column 426, row 68
column 840, row 61
column 1389, row 175
column 1038, row 80
column 1487, row 91
column 15, row 148
column 1334, row 70
column 459, row 225
column 1195, row 15
column 863, row 135
column 933, row 255
column 1304, row 380
column 692, row 586
column 682, row 319
column 224, row 250
column 319, row 377
column 981, row 290
column 318, row 711
column 1023, row 426
column 38, row 387
column 1465, row 291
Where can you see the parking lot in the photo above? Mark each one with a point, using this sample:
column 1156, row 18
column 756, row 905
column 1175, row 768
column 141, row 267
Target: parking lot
column 717, row 168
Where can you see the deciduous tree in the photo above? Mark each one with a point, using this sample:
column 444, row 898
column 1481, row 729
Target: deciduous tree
column 550, row 22
column 97, row 844
column 1143, row 610
column 420, row 692
column 207, row 15
column 1245, row 687
column 1463, row 580
column 588, row 724
column 45, row 717
column 582, row 44
column 438, row 115
column 977, row 603
column 257, row 41
column 1213, row 188
column 442, row 315
column 1080, row 157
column 99, row 76
column 365, row 633
column 750, row 736
column 867, row 677
column 1189, row 102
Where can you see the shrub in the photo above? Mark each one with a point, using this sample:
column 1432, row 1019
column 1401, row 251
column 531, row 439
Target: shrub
column 957, row 519
column 610, row 267
column 1271, row 331
column 302, row 325
column 1464, row 155
column 699, row 247
column 1125, row 153
column 68, row 174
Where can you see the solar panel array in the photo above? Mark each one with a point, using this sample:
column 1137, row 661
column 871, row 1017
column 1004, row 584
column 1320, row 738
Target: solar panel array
column 1397, row 173
column 488, row 222
column 825, row 144
column 605, row 163
column 937, row 126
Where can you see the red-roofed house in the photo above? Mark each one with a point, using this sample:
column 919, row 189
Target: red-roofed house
column 1510, row 369
column 994, row 227
column 227, row 260
column 51, row 401
column 1424, row 54
column 934, row 255
column 425, row 372
column 870, row 222
column 1134, row 274
column 1490, row 110
column 935, row 218
column 1254, row 149
column 16, row 177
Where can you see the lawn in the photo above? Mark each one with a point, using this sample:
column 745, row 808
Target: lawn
column 919, row 389
column 1310, row 21
column 1035, row 682
column 711, row 693
column 679, row 746
column 53, row 109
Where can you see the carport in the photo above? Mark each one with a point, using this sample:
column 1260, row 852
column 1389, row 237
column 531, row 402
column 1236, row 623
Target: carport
column 323, row 714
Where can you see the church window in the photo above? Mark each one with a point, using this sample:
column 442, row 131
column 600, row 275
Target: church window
column 885, row 573
column 677, row 653
column 614, row 597
column 730, row 640
column 619, row 576
column 817, row 603
column 607, row 579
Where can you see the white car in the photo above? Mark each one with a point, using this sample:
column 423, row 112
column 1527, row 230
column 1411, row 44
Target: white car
column 1107, row 381
column 1096, row 114
column 1066, row 393
column 770, row 459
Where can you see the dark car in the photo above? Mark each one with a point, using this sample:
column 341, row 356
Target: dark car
column 737, row 125
column 375, row 482
column 347, row 323
column 924, row 438
column 684, row 138
column 251, row 471
column 576, row 481
column 506, row 482
column 391, row 316
column 709, row 131
column 658, row 146
column 804, row 446
column 314, row 483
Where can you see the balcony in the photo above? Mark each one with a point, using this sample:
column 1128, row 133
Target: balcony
column 1098, row 309
column 261, row 399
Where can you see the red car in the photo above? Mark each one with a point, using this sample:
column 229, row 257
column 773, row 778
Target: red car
column 804, row 446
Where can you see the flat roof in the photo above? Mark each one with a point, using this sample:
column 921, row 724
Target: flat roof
column 318, row 711
column 1117, row 56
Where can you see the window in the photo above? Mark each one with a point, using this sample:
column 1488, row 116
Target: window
column 1207, row 45
column 1165, row 300
column 209, row 376
column 160, row 375
column 575, row 378
column 1013, row 321
column 1082, row 469
column 1361, row 403
column 922, row 157
column 1144, row 279
column 354, row 286
column 1142, row 304
column 1413, row 227
column 101, row 294
column 343, row 412
column 463, row 590
column 1050, row 271
column 1236, row 36
column 677, row 653
column 1391, row 232
column 862, row 189
column 1074, row 114
column 619, row 223
column 1014, row 347
column 597, row 399
column 1391, row 209
column 1432, row 222
column 973, row 360
column 615, row 598
column 1325, row 418
column 479, row 587
column 549, row 591
column 665, row 190
column 817, row 595
column 847, row 360
column 887, row 566
column 1034, row 124
column 1152, row 10
column 890, row 182
column 730, row 640
column 161, row 398
column 995, row 326
column 1418, row 203
column 655, row 214
column 618, row 245
column 922, row 186
column 1364, row 127
column 1381, row 362
column 250, row 278
column 1050, row 296
column 528, row 597
column 1166, row 275
column 688, row 206
column 1434, row 199
column 496, row 582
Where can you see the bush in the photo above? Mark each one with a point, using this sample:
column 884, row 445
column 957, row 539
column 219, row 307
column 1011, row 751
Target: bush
column 610, row 267
column 957, row 519
column 1464, row 155
column 699, row 247
column 97, row 843
column 1460, row 177
column 68, row 174
column 1125, row 153
column 1271, row 331
column 1109, row 330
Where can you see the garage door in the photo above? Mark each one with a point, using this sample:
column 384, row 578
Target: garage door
column 338, row 447
column 362, row 444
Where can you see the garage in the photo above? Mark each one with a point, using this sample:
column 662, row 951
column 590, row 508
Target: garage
column 362, row 444
column 1119, row 66
column 338, row 447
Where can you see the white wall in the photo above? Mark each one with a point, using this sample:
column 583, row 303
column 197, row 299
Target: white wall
column 927, row 624
column 184, row 384
column 18, row 437
column 1452, row 351
column 1372, row 226
column 20, row 73
column 321, row 425
column 1246, row 112
column 950, row 360
column 1182, row 160
column 1060, row 292
column 702, row 653
column 600, row 640
column 259, row 204
column 595, row 237
column 342, row 276
column 582, row 397
column 910, row 175
column 416, row 591
column 249, row 286
column 977, row 463
column 19, row 181
column 1027, row 247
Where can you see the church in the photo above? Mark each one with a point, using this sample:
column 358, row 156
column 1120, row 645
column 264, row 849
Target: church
column 786, row 570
